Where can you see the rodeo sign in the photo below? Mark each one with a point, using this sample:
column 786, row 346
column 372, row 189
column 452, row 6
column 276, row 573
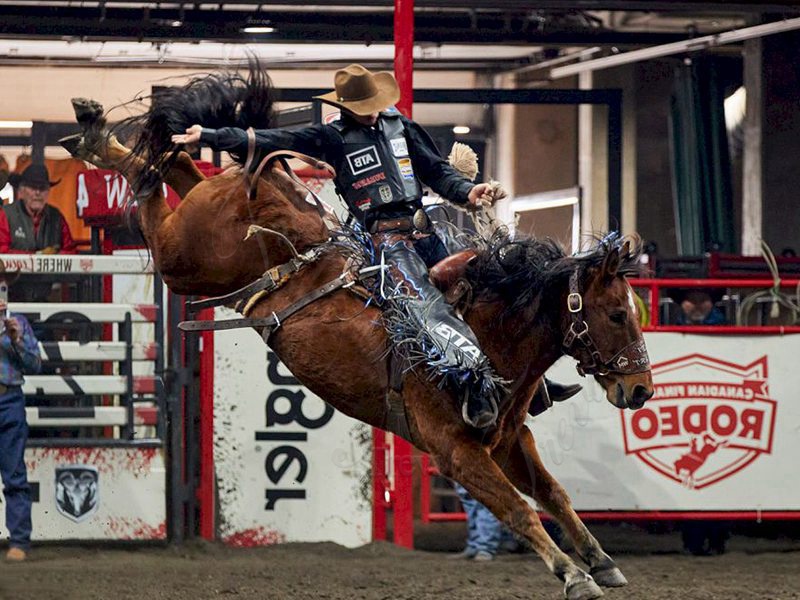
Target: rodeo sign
column 715, row 435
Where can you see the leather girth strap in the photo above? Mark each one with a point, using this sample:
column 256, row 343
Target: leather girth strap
column 269, row 282
column 272, row 322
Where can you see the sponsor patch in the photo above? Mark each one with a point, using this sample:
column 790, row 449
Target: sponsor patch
column 363, row 160
column 386, row 193
column 77, row 491
column 406, row 170
column 369, row 180
column 708, row 420
column 364, row 203
column 19, row 232
column 399, row 147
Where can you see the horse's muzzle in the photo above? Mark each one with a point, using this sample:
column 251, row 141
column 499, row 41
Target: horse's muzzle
column 640, row 395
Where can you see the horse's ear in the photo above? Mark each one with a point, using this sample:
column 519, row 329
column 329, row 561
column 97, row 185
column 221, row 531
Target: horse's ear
column 611, row 265
column 626, row 249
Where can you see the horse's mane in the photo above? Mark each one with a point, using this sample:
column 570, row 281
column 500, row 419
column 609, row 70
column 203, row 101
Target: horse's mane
column 518, row 271
column 225, row 99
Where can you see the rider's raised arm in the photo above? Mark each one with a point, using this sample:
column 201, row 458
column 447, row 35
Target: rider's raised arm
column 310, row 140
column 432, row 169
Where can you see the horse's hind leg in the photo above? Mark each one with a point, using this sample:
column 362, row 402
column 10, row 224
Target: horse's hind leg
column 469, row 464
column 518, row 458
column 97, row 145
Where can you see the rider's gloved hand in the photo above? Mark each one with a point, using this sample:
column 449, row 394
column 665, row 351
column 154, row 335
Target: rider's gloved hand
column 192, row 135
column 486, row 194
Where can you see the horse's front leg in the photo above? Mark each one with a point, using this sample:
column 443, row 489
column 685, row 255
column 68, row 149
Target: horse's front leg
column 518, row 458
column 469, row 463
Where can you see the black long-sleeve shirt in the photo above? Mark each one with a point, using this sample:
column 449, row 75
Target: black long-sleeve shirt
column 324, row 142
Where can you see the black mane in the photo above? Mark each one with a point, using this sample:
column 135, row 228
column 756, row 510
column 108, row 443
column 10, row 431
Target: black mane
column 519, row 271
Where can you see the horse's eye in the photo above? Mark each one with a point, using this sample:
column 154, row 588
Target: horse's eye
column 619, row 317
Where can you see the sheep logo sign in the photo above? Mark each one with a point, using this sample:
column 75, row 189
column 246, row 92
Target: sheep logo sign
column 708, row 420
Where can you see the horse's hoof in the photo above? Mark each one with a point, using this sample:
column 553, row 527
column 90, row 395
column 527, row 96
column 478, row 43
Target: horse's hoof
column 586, row 589
column 609, row 577
column 87, row 111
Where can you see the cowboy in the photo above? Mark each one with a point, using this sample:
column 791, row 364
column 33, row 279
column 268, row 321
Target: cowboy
column 31, row 225
column 19, row 354
column 381, row 159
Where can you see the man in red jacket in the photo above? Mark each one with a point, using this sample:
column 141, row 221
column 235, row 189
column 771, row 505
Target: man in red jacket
column 31, row 225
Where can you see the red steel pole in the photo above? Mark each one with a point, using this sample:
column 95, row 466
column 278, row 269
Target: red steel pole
column 403, row 501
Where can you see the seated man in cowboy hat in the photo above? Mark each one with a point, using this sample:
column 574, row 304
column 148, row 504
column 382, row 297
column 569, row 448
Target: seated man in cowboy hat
column 31, row 225
column 381, row 158
column 19, row 354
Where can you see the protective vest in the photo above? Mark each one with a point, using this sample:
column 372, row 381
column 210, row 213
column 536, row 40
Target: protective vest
column 376, row 165
column 20, row 226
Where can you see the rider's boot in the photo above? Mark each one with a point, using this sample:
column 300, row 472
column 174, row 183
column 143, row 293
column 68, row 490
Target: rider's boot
column 425, row 322
column 480, row 401
column 549, row 392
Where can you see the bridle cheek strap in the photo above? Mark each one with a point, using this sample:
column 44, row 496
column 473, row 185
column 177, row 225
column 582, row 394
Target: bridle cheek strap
column 629, row 360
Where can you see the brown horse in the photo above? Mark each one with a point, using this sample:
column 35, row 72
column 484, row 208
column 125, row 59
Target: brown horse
column 529, row 298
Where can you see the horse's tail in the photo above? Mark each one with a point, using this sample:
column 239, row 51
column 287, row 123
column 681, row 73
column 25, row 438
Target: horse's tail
column 225, row 99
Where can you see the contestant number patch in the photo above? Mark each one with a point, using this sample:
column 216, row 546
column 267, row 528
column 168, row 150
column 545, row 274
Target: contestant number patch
column 399, row 147
column 363, row 160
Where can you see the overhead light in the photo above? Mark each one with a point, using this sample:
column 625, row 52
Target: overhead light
column 461, row 129
column 699, row 43
column 257, row 29
column 16, row 124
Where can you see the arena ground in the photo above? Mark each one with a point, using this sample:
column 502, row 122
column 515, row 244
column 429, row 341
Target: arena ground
column 753, row 569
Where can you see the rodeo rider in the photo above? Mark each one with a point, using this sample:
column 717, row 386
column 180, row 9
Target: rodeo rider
column 380, row 158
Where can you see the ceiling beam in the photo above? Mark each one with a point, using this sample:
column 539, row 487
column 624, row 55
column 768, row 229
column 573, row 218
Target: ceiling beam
column 120, row 23
column 719, row 6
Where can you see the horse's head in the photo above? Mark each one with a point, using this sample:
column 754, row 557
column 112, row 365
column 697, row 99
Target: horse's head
column 601, row 324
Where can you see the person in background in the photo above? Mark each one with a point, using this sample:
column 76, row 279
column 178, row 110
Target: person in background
column 31, row 225
column 19, row 355
column 702, row 537
column 697, row 308
column 486, row 536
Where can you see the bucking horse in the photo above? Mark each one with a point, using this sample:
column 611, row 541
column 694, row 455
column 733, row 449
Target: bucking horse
column 530, row 303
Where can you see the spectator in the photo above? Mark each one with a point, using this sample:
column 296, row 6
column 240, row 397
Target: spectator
column 31, row 225
column 485, row 534
column 697, row 308
column 702, row 537
column 19, row 353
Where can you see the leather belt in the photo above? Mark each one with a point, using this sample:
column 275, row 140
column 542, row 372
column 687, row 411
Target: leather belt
column 4, row 389
column 399, row 224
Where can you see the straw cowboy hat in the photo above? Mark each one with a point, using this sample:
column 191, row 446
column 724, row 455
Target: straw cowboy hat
column 35, row 176
column 362, row 92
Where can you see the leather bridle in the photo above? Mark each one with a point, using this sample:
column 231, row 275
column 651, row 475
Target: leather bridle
column 631, row 359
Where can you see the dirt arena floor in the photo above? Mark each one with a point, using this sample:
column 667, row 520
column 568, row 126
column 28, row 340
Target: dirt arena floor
column 657, row 570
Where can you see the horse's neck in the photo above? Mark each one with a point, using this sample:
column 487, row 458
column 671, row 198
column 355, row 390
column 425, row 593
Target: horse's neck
column 521, row 347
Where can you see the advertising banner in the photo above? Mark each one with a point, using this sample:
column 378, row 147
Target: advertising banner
column 720, row 433
column 289, row 468
column 95, row 493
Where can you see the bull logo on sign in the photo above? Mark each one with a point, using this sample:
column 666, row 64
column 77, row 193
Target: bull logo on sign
column 708, row 420
column 77, row 491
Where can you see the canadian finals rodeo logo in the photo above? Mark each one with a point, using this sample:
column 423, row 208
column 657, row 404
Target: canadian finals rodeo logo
column 707, row 420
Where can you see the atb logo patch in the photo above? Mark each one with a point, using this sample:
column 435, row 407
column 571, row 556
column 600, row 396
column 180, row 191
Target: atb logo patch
column 77, row 491
column 363, row 160
column 708, row 420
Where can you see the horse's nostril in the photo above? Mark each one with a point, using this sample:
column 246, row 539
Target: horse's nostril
column 640, row 395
